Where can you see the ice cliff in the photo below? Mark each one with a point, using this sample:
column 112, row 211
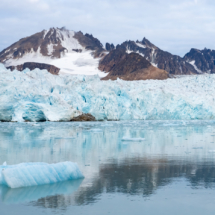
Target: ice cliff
column 37, row 95
column 33, row 174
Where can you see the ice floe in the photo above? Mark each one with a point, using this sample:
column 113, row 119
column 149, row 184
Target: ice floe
column 34, row 174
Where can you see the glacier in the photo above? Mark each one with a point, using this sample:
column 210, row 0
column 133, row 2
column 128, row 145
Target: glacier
column 40, row 96
column 34, row 174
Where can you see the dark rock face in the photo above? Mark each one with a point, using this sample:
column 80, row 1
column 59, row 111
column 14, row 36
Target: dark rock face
column 77, row 50
column 109, row 47
column 204, row 60
column 173, row 64
column 84, row 117
column 52, row 69
column 147, row 43
column 90, row 43
column 132, row 66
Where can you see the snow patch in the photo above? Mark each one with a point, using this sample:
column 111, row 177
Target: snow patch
column 67, row 40
column 45, row 33
column 50, row 48
column 140, row 45
column 155, row 65
column 7, row 51
column 195, row 67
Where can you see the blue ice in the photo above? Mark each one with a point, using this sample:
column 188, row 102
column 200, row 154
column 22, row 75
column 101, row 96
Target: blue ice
column 40, row 96
column 34, row 174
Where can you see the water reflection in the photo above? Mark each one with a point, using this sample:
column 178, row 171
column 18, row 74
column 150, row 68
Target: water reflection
column 27, row 194
column 144, row 177
column 136, row 177
column 171, row 150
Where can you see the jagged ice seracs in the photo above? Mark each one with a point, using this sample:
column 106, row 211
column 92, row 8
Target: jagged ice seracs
column 38, row 96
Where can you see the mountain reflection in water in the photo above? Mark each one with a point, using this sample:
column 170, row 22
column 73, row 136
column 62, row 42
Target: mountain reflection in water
column 136, row 177
column 171, row 151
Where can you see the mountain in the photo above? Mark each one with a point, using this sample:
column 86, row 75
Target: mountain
column 53, row 43
column 76, row 53
column 202, row 60
column 131, row 66
column 173, row 64
column 72, row 52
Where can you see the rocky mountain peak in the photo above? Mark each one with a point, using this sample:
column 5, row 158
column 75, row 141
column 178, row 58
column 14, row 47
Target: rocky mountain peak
column 148, row 44
column 51, row 43
column 202, row 60
column 109, row 47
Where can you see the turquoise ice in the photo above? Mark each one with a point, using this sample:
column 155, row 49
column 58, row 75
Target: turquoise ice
column 34, row 174
column 39, row 96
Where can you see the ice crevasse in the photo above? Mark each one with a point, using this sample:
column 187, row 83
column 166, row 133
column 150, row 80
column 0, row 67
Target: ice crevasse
column 38, row 96
column 34, row 174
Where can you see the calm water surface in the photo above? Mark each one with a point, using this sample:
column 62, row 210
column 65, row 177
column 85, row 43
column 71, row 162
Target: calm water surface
column 170, row 171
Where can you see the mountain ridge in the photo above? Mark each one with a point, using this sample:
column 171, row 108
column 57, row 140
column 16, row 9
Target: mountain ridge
column 77, row 53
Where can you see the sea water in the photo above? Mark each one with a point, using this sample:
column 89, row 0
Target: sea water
column 130, row 167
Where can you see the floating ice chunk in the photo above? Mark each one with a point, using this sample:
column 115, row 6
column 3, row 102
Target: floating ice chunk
column 5, row 163
column 133, row 139
column 26, row 175
column 197, row 147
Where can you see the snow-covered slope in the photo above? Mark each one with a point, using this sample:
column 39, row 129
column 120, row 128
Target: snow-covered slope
column 72, row 52
column 38, row 95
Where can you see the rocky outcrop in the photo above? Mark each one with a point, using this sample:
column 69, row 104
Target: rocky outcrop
column 202, row 60
column 84, row 117
column 131, row 66
column 173, row 64
column 109, row 47
column 31, row 65
column 90, row 43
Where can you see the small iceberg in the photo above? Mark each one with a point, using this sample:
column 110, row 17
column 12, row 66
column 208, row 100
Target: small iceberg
column 133, row 139
column 197, row 147
column 34, row 174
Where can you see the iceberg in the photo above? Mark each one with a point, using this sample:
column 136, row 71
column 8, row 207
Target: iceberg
column 40, row 96
column 34, row 174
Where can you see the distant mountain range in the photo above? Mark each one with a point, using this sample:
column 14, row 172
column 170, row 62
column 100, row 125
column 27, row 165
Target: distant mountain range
column 78, row 53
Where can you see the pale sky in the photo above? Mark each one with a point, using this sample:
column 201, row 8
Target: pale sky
column 172, row 25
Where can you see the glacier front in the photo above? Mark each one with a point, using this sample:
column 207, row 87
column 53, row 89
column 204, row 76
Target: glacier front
column 34, row 174
column 40, row 96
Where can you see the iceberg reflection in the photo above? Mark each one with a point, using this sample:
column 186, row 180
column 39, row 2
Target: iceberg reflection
column 28, row 194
